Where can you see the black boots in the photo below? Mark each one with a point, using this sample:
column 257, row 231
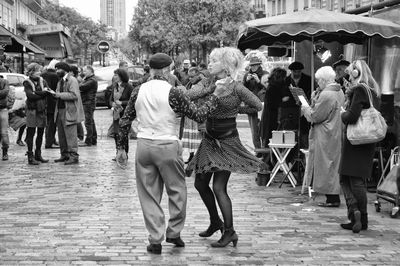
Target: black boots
column 212, row 228
column 31, row 159
column 354, row 226
column 5, row 154
column 154, row 248
column 178, row 242
column 228, row 237
column 39, row 158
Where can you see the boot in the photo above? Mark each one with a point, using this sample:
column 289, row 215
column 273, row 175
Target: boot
column 31, row 158
column 5, row 154
column 357, row 222
column 38, row 156
column 228, row 236
column 212, row 228
column 364, row 221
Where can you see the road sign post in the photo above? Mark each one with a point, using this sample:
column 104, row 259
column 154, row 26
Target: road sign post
column 103, row 47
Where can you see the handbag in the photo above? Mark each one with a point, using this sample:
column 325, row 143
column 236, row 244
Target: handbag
column 370, row 126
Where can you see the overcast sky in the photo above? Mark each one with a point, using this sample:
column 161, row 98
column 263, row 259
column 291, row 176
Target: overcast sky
column 91, row 8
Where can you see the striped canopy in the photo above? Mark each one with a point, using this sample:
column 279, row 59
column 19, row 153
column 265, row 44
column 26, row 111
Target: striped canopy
column 314, row 25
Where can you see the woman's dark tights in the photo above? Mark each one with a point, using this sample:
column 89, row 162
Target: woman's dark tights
column 30, row 133
column 220, row 183
column 20, row 132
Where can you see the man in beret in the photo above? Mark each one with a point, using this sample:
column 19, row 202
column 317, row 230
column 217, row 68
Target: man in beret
column 159, row 161
column 341, row 76
column 297, row 79
column 252, row 81
column 68, row 113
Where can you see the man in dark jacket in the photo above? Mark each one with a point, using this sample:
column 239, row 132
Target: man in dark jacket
column 5, row 142
column 298, row 79
column 252, row 81
column 88, row 89
column 341, row 76
column 50, row 76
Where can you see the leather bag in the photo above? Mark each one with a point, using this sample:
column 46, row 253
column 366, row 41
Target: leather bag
column 370, row 126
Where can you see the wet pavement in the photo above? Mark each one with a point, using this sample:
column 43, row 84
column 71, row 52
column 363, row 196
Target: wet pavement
column 89, row 214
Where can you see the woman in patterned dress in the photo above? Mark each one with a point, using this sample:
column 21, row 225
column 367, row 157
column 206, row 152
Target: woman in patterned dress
column 220, row 151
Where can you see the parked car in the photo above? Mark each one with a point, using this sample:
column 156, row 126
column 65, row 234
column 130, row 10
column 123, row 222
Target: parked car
column 104, row 76
column 15, row 81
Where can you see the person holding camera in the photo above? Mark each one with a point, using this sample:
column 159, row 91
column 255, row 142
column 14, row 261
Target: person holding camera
column 252, row 81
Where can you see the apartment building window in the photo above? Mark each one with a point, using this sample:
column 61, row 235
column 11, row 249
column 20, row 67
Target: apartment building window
column 296, row 5
column 342, row 5
column 279, row 11
column 273, row 8
column 283, row 6
column 305, row 4
column 358, row 3
column 329, row 4
column 318, row 4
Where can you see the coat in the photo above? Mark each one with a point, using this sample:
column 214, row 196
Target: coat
column 4, row 89
column 325, row 139
column 36, row 102
column 72, row 98
column 357, row 159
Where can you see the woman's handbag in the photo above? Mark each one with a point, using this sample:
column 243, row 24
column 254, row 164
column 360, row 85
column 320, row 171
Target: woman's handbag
column 370, row 127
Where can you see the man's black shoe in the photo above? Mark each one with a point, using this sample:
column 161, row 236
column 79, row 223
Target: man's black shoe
column 154, row 248
column 177, row 241
column 62, row 159
column 71, row 161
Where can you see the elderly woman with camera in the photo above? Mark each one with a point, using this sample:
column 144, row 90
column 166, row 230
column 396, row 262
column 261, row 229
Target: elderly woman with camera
column 325, row 136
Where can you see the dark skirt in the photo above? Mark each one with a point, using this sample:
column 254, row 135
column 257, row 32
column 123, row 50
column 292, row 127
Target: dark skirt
column 35, row 119
column 223, row 151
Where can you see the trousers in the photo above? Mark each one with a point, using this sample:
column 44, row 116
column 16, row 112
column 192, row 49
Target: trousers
column 159, row 164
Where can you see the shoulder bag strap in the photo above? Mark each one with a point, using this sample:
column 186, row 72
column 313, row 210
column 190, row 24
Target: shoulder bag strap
column 369, row 94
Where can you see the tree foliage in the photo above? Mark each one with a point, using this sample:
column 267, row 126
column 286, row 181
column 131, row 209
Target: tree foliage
column 85, row 33
column 175, row 26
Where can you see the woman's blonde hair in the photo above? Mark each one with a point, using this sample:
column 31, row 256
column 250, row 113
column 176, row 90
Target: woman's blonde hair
column 32, row 68
column 362, row 74
column 230, row 58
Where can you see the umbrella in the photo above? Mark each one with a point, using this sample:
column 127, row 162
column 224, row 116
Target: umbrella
column 314, row 25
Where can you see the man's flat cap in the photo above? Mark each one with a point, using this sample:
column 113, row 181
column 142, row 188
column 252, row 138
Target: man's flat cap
column 63, row 65
column 341, row 62
column 159, row 61
column 296, row 66
column 255, row 61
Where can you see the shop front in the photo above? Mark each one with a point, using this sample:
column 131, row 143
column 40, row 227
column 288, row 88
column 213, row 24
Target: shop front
column 52, row 38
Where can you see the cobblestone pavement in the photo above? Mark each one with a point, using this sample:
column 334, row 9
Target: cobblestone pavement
column 89, row 214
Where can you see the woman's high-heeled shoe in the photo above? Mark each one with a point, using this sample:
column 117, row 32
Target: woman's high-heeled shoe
column 212, row 228
column 228, row 237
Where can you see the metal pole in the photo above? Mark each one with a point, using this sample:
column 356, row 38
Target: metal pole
column 312, row 64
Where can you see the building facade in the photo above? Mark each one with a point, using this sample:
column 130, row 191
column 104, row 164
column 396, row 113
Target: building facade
column 113, row 14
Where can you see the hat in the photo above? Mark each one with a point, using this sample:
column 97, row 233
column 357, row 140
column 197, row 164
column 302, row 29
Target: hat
column 64, row 66
column 159, row 61
column 255, row 61
column 341, row 62
column 296, row 66
column 186, row 61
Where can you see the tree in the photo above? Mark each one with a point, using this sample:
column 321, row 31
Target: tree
column 174, row 26
column 85, row 33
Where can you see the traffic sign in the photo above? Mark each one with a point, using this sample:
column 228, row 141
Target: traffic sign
column 103, row 47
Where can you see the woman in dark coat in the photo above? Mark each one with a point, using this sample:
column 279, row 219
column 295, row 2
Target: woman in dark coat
column 272, row 103
column 356, row 160
column 121, row 92
column 36, row 93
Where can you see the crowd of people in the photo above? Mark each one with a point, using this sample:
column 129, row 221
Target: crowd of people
column 195, row 108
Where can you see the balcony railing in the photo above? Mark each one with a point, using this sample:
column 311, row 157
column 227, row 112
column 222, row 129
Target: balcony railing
column 35, row 5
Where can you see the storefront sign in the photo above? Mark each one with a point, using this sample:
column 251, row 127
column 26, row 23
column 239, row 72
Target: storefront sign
column 48, row 28
column 103, row 47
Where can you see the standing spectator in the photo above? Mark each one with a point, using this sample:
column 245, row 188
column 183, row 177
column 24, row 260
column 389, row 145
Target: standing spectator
column 220, row 151
column 36, row 93
column 203, row 70
column 146, row 75
column 51, row 78
column 272, row 103
column 183, row 75
column 88, row 89
column 341, row 76
column 159, row 153
column 17, row 117
column 291, row 111
column 74, row 70
column 69, row 112
column 356, row 161
column 5, row 142
column 252, row 81
column 123, row 64
column 120, row 95
column 191, row 136
column 325, row 138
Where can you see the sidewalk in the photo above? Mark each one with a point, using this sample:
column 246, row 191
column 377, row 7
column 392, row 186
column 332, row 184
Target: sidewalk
column 89, row 214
